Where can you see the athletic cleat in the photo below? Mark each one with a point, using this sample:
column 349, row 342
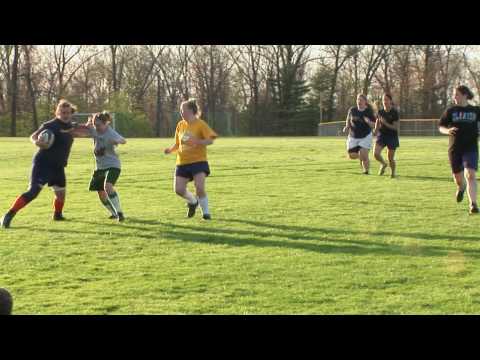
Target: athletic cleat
column 473, row 209
column 191, row 209
column 58, row 217
column 460, row 194
column 207, row 217
column 382, row 169
column 7, row 219
column 120, row 217
column 113, row 217
column 365, row 172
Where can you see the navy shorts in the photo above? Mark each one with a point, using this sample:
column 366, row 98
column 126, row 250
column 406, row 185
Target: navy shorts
column 47, row 174
column 463, row 159
column 188, row 171
column 390, row 141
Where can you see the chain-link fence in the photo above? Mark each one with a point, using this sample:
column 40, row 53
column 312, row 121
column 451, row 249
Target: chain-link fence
column 408, row 127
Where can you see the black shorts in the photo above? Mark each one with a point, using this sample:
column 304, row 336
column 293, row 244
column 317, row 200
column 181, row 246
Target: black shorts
column 390, row 141
column 44, row 173
column 100, row 177
column 463, row 159
column 188, row 171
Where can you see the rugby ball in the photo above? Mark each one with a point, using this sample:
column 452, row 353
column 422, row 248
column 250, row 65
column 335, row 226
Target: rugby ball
column 47, row 137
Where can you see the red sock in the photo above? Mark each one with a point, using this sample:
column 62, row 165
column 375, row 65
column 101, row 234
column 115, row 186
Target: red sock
column 58, row 205
column 18, row 204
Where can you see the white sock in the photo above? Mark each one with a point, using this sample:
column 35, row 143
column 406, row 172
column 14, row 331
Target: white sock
column 109, row 206
column 204, row 205
column 189, row 197
column 115, row 200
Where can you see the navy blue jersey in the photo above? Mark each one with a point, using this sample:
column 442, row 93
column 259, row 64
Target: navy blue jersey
column 358, row 126
column 58, row 153
column 466, row 119
column 390, row 117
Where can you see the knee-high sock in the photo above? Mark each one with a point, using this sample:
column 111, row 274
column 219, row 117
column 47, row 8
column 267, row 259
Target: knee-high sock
column 204, row 205
column 22, row 201
column 115, row 200
column 108, row 205
column 19, row 203
column 58, row 205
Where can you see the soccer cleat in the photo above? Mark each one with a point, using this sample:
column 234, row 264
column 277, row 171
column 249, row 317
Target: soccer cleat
column 474, row 209
column 120, row 217
column 365, row 172
column 382, row 169
column 113, row 217
column 191, row 209
column 7, row 219
column 459, row 195
column 207, row 217
column 58, row 217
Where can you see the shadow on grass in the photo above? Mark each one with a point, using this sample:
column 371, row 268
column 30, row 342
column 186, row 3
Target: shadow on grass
column 422, row 236
column 318, row 240
column 426, row 178
column 264, row 238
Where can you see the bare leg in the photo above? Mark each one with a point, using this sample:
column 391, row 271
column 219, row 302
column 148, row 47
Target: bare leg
column 458, row 177
column 391, row 160
column 471, row 177
column 377, row 152
column 353, row 155
column 365, row 160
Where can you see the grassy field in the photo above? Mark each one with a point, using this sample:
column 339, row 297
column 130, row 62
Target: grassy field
column 296, row 229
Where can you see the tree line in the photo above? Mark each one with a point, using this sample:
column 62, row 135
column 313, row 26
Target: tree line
column 251, row 90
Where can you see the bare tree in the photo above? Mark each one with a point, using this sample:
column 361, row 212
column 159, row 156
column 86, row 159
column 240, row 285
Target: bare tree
column 338, row 54
column 65, row 65
column 139, row 68
column 211, row 70
column 450, row 60
column 28, row 74
column 14, row 89
column 249, row 61
column 372, row 57
column 10, row 55
column 402, row 69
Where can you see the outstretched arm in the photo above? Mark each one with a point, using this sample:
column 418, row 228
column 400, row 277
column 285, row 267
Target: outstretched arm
column 119, row 140
column 81, row 130
column 447, row 131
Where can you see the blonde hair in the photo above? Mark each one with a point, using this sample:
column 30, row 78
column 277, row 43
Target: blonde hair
column 65, row 104
column 192, row 105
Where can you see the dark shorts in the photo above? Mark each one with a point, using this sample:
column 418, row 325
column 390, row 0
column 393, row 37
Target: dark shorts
column 390, row 141
column 100, row 177
column 43, row 173
column 188, row 171
column 463, row 159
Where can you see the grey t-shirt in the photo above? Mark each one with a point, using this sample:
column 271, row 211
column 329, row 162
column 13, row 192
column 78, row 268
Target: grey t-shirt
column 105, row 155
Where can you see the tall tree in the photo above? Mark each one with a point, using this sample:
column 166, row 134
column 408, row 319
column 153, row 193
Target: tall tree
column 28, row 74
column 14, row 90
column 338, row 54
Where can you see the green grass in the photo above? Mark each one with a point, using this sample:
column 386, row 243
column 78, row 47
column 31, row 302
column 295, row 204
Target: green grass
column 297, row 230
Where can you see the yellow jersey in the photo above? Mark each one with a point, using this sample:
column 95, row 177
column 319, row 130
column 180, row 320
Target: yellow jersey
column 199, row 129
